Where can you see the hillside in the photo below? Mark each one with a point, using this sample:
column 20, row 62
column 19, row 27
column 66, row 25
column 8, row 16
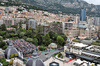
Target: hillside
column 57, row 6
column 18, row 3
column 65, row 6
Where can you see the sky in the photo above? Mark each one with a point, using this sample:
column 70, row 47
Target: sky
column 96, row 2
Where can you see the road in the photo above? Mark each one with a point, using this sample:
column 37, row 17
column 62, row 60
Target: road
column 44, row 57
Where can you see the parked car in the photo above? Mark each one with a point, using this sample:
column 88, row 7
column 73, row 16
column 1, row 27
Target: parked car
column 46, row 53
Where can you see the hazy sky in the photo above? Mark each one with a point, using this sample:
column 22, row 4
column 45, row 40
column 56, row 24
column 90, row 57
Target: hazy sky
column 96, row 2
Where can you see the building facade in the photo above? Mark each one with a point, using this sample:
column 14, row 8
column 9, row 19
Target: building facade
column 55, row 26
column 83, row 15
column 32, row 23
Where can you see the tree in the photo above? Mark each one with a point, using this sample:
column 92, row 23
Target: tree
column 2, row 33
column 35, row 41
column 13, row 34
column 25, row 62
column 2, row 44
column 15, row 54
column 11, row 31
column 3, row 27
column 25, row 37
column 60, row 40
column 7, row 35
column 23, row 30
column 29, row 33
column 40, row 39
column 5, row 63
column 21, row 34
column 2, row 60
column 29, row 39
column 11, row 61
column 39, row 29
column 20, row 25
column 1, row 38
column 42, row 48
column 47, row 40
column 4, row 47
column 53, row 35
column 14, row 26
column 63, row 36
column 60, row 55
column 12, row 56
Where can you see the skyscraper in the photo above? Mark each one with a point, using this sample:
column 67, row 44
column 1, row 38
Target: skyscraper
column 83, row 15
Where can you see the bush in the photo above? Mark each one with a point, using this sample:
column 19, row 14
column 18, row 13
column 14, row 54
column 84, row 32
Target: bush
column 75, row 40
column 42, row 48
column 13, row 35
column 15, row 38
column 55, row 54
column 29, row 39
column 60, row 55
column 96, row 43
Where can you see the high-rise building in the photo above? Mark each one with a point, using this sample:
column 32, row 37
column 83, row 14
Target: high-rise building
column 83, row 15
column 82, row 24
column 32, row 23
column 96, row 20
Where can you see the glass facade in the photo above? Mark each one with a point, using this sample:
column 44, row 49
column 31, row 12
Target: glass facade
column 54, row 64
column 83, row 15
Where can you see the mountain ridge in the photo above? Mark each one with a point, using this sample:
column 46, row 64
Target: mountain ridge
column 65, row 6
